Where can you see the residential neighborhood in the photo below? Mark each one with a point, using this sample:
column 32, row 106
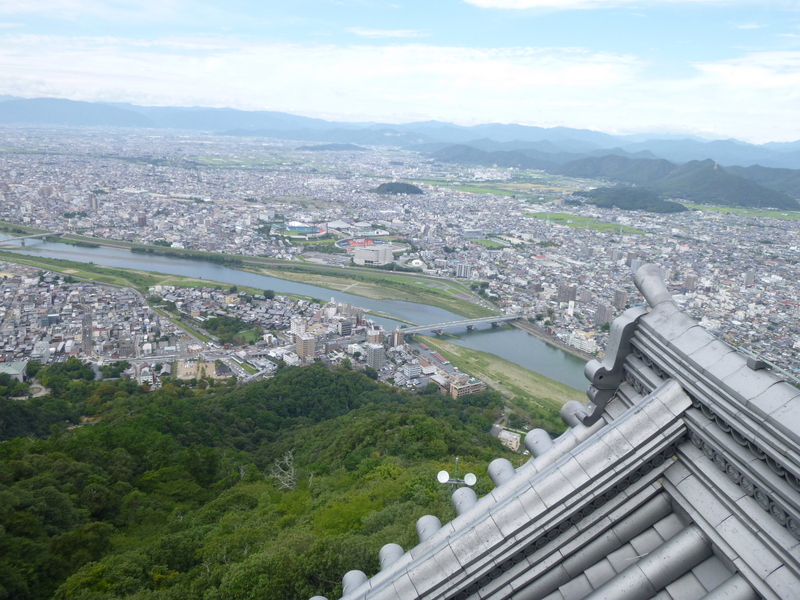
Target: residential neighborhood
column 535, row 251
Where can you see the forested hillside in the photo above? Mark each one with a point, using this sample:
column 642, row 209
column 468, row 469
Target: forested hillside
column 173, row 494
column 630, row 198
column 704, row 181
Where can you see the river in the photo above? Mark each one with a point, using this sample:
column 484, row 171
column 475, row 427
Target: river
column 511, row 344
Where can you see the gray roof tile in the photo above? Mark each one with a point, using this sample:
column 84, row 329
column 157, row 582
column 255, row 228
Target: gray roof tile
column 511, row 517
column 747, row 545
column 577, row 589
column 599, row 573
column 669, row 526
column 775, row 396
column 787, row 419
column 710, row 354
column 725, row 366
column 747, row 383
column 646, row 542
column 785, row 583
column 691, row 340
column 711, row 573
column 696, row 493
column 686, row 588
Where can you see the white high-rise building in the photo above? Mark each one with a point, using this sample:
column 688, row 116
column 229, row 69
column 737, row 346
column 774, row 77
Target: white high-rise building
column 297, row 325
column 375, row 355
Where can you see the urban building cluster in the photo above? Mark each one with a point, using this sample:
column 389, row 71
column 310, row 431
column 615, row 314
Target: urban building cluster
column 49, row 317
column 737, row 274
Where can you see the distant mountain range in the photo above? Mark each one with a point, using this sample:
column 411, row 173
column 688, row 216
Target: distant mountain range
column 555, row 145
column 754, row 175
column 703, row 182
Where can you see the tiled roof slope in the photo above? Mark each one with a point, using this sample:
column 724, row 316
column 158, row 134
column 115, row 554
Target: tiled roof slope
column 679, row 480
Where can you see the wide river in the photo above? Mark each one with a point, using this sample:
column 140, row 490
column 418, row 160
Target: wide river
column 511, row 344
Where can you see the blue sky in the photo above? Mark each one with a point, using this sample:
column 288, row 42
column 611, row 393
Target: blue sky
column 718, row 68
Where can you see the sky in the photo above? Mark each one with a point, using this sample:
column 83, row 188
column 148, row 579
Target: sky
column 713, row 68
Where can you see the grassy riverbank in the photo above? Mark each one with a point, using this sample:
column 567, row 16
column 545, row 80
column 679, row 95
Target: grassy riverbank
column 14, row 229
column 375, row 284
column 530, row 392
column 140, row 280
column 137, row 279
column 383, row 285
column 535, row 331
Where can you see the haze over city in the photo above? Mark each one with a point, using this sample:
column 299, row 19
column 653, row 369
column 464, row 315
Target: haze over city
column 713, row 68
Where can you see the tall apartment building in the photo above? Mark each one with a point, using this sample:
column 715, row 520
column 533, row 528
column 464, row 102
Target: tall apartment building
column 127, row 346
column 375, row 336
column 620, row 299
column 305, row 345
column 375, row 355
column 604, row 314
column 398, row 338
column 412, row 370
column 463, row 271
column 567, row 293
column 297, row 325
column 345, row 328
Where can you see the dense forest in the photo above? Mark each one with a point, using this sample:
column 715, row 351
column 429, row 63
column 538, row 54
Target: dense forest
column 271, row 490
column 630, row 198
column 397, row 187
column 222, row 259
column 701, row 181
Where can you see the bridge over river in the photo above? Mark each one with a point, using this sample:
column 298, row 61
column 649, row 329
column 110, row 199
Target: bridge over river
column 21, row 239
column 468, row 323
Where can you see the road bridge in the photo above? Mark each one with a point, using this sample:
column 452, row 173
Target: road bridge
column 468, row 323
column 21, row 239
column 680, row 479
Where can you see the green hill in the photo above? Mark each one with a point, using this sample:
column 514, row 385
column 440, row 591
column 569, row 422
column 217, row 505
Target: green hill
column 640, row 171
column 786, row 181
column 627, row 198
column 702, row 182
column 707, row 183
column 397, row 187
column 171, row 494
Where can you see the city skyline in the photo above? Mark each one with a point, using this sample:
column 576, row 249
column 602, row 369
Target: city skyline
column 714, row 68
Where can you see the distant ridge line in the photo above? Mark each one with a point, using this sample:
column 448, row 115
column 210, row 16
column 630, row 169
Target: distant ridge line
column 535, row 145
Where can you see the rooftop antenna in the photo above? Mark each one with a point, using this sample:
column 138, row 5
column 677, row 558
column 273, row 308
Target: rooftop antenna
column 444, row 478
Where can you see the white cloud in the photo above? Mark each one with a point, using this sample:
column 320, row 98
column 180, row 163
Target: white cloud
column 749, row 26
column 753, row 97
column 758, row 71
column 387, row 33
